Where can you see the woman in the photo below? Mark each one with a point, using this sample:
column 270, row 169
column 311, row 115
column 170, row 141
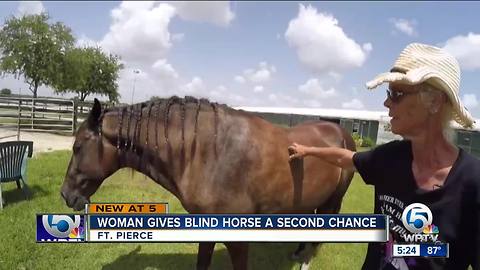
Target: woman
column 426, row 167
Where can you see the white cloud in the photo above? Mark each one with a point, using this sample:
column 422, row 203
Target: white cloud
column 218, row 93
column 405, row 26
column 470, row 101
column 321, row 44
column 279, row 99
column 258, row 89
column 221, row 88
column 30, row 8
column 367, row 47
column 164, row 69
column 312, row 103
column 215, row 12
column 314, row 88
column 354, row 90
column 140, row 34
column 239, row 79
column 234, row 100
column 262, row 74
column 196, row 86
column 336, row 76
column 272, row 97
column 466, row 49
column 222, row 95
column 139, row 31
column 353, row 104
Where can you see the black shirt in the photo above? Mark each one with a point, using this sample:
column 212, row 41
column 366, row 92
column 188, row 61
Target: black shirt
column 455, row 206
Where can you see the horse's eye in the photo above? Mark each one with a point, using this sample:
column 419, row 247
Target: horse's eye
column 76, row 148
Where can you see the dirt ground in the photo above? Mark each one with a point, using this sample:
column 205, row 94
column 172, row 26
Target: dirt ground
column 42, row 141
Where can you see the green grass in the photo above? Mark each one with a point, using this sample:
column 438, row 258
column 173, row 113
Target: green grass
column 18, row 249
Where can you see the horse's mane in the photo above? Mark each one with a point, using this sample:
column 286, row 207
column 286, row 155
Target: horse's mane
column 153, row 109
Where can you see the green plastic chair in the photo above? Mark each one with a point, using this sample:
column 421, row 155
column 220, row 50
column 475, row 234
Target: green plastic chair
column 13, row 164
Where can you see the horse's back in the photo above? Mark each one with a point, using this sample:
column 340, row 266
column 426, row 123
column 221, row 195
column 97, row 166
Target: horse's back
column 321, row 134
column 300, row 185
column 254, row 174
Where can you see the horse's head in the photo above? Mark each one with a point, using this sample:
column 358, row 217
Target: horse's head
column 93, row 160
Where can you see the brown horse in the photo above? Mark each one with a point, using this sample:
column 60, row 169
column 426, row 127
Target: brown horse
column 213, row 158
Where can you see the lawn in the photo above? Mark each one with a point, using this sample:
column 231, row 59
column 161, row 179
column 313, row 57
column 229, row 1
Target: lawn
column 18, row 249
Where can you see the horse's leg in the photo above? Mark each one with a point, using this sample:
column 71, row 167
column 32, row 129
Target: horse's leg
column 204, row 256
column 238, row 254
column 310, row 253
column 332, row 206
column 298, row 252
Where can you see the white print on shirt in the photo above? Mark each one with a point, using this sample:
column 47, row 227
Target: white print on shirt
column 393, row 207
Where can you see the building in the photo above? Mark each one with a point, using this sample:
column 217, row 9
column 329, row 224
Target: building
column 367, row 124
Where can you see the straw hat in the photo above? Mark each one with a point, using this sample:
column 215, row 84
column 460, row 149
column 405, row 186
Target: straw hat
column 419, row 63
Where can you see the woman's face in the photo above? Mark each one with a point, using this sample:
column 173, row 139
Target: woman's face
column 409, row 114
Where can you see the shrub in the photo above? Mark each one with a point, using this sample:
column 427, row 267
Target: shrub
column 356, row 138
column 367, row 142
column 362, row 142
column 6, row 91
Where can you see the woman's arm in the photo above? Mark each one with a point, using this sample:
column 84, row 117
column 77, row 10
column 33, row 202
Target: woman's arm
column 337, row 156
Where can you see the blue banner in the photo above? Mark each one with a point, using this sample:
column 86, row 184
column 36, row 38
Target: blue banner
column 434, row 250
column 60, row 228
column 235, row 222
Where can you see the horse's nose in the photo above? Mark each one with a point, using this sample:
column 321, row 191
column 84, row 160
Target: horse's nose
column 63, row 195
column 65, row 192
column 68, row 199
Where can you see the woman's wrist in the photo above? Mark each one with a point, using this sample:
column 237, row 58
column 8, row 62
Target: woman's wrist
column 308, row 150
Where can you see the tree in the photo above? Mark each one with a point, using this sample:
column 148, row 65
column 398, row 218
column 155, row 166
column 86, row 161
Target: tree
column 89, row 71
column 155, row 98
column 34, row 49
column 6, row 91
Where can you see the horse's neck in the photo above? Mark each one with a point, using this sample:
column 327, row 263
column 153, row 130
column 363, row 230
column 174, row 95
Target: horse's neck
column 151, row 169
column 156, row 147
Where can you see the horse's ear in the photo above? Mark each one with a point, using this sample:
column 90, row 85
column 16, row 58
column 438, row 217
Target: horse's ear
column 94, row 116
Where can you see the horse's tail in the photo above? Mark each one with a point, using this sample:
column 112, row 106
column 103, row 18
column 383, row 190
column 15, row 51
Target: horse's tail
column 334, row 203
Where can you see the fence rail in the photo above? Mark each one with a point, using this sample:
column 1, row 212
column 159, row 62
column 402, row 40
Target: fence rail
column 42, row 114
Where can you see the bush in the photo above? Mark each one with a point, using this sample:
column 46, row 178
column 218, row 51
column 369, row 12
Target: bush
column 6, row 91
column 356, row 138
column 362, row 142
column 367, row 142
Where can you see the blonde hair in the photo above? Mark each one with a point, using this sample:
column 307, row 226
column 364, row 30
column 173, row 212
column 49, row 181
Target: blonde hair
column 428, row 94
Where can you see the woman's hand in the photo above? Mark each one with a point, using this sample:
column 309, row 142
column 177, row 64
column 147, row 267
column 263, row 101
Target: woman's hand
column 297, row 151
column 334, row 155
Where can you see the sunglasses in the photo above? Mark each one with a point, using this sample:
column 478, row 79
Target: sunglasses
column 396, row 95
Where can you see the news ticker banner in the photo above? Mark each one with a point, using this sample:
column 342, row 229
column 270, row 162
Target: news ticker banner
column 219, row 228
column 421, row 250
column 236, row 228
column 150, row 222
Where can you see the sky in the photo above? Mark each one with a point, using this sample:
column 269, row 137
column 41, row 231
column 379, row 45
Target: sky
column 274, row 54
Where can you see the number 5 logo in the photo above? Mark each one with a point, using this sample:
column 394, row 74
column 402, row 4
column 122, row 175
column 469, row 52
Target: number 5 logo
column 60, row 225
column 416, row 217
